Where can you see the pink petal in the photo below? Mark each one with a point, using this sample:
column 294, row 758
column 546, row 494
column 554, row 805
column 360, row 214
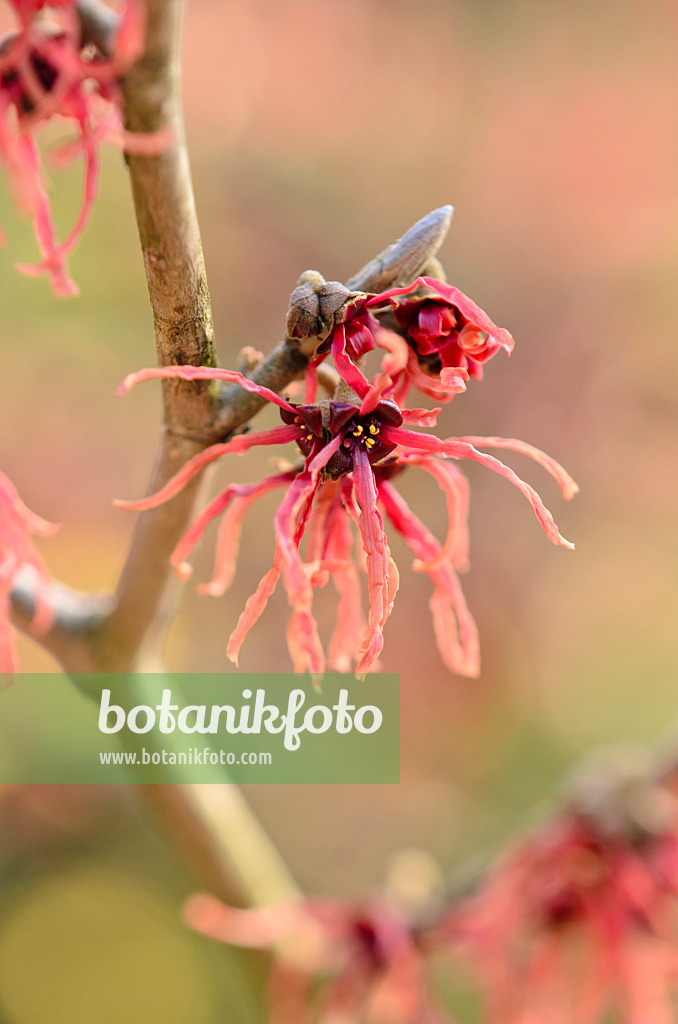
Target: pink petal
column 381, row 572
column 228, row 541
column 393, row 363
column 253, row 610
column 452, row 448
column 258, row 928
column 12, row 505
column 18, row 556
column 450, row 382
column 289, row 993
column 454, row 378
column 567, row 485
column 129, row 39
column 227, row 546
column 455, row 487
column 290, row 520
column 324, row 506
column 431, row 321
column 202, row 373
column 43, row 224
column 89, row 146
column 421, row 417
column 454, row 626
column 351, row 625
column 346, row 368
column 240, row 444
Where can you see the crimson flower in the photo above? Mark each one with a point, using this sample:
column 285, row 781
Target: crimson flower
column 574, row 924
column 446, row 328
column 46, row 73
column 17, row 556
column 443, row 339
column 366, row 959
column 352, row 451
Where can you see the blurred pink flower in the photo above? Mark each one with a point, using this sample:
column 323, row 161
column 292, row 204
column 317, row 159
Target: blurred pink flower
column 17, row 555
column 572, row 925
column 351, row 453
column 45, row 73
column 365, row 959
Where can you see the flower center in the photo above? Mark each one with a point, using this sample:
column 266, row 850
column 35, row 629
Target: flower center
column 325, row 421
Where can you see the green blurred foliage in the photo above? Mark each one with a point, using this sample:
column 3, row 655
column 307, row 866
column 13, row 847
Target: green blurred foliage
column 319, row 132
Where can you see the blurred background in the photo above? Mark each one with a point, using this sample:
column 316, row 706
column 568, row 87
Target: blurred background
column 318, row 133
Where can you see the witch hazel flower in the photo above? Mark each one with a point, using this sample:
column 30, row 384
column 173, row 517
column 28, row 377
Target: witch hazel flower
column 334, row 962
column 445, row 328
column 352, row 451
column 435, row 338
column 19, row 558
column 580, row 920
column 46, row 73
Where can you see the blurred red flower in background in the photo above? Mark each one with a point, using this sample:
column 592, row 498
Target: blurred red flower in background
column 47, row 72
column 573, row 924
column 365, row 958
column 17, row 555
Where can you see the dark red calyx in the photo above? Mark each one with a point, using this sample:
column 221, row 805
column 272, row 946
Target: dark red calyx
column 323, row 422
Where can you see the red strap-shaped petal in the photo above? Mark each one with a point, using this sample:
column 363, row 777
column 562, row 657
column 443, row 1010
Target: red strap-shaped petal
column 202, row 373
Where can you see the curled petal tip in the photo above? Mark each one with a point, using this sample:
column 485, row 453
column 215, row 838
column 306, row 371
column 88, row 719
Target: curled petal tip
column 129, row 505
column 213, row 590
column 199, row 909
column 183, row 570
column 44, row 527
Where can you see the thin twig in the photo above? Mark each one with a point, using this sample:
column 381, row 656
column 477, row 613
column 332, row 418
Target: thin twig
column 177, row 285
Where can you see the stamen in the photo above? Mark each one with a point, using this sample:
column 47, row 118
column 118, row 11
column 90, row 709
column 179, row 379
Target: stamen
column 374, row 429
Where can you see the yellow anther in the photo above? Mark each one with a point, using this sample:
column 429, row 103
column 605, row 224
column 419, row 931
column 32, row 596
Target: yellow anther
column 358, row 430
column 309, row 437
column 370, row 442
column 373, row 429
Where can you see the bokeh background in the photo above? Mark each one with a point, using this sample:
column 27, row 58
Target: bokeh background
column 318, row 133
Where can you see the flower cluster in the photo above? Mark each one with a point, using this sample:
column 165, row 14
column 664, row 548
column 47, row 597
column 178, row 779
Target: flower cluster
column 17, row 555
column 576, row 923
column 46, row 73
column 368, row 958
column 354, row 445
